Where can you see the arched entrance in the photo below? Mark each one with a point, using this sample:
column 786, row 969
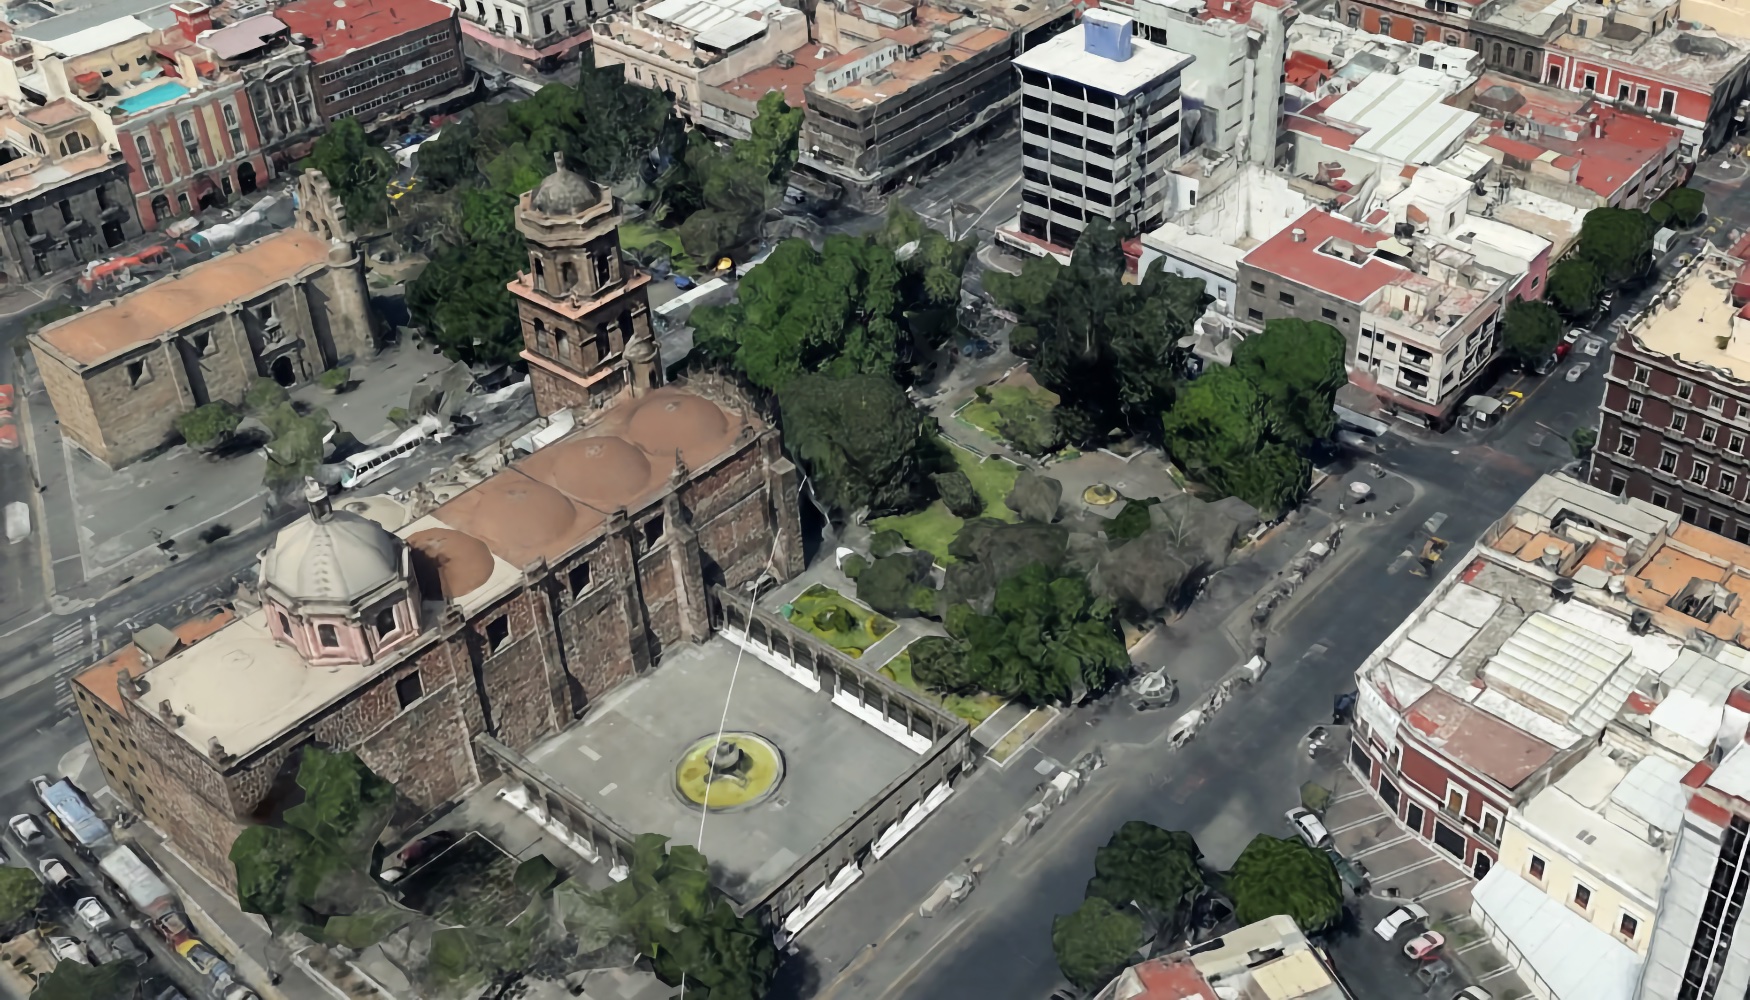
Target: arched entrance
column 160, row 208
column 246, row 178
column 283, row 372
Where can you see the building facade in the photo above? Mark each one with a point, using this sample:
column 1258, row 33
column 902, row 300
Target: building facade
column 64, row 198
column 528, row 36
column 1676, row 410
column 382, row 59
column 276, row 78
column 285, row 307
column 1100, row 115
column 685, row 46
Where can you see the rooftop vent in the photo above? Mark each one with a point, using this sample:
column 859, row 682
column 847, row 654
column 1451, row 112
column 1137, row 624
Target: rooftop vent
column 1562, row 590
column 1641, row 622
column 1298, row 235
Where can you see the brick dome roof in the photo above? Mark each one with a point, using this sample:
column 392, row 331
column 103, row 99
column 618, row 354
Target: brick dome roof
column 449, row 563
column 667, row 421
column 564, row 192
column 604, row 472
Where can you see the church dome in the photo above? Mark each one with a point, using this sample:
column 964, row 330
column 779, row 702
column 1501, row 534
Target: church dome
column 564, row 192
column 605, row 472
column 337, row 558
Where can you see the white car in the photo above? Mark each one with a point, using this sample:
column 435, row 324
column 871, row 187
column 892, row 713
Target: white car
column 68, row 950
column 1397, row 919
column 1576, row 370
column 1473, row 993
column 92, row 914
column 40, row 784
column 26, row 829
column 1306, row 823
column 1572, row 335
column 55, row 872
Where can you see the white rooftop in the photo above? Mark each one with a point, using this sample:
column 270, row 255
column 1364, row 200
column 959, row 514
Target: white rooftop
column 1066, row 57
column 1566, row 668
column 1571, row 956
column 100, row 37
column 1405, row 121
column 1479, row 232
column 1569, row 817
column 1651, row 793
column 732, row 32
column 699, row 15
column 1733, row 774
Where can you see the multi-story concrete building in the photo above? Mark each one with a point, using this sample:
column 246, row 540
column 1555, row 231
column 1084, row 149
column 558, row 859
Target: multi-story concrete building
column 276, row 76
column 527, row 37
column 1676, row 409
column 64, row 196
column 378, row 58
column 286, row 307
column 1100, row 117
column 686, row 46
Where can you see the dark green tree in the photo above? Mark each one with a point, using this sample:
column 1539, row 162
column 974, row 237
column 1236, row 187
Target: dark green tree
column 1618, row 242
column 1047, row 640
column 1216, row 421
column 1023, row 294
column 1297, row 366
column 448, row 160
column 861, row 441
column 1574, row 286
column 78, row 981
column 957, row 493
column 1686, row 205
column 898, row 585
column 1159, row 870
column 358, row 171
column 1132, row 521
column 20, row 894
column 1095, row 943
column 1276, row 876
column 939, row 663
column 1530, row 332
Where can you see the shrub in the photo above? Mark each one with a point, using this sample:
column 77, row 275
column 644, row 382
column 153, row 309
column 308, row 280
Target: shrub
column 1660, row 211
column 207, row 424
column 886, row 543
column 957, row 494
column 264, row 394
column 1024, row 341
column 939, row 663
column 1030, row 425
column 834, row 620
column 335, row 379
column 896, row 586
column 1686, row 205
column 853, row 565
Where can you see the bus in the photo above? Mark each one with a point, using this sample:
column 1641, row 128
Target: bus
column 376, row 462
column 73, row 815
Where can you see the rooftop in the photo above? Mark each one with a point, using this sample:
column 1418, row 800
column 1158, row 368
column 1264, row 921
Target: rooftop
column 99, row 37
column 621, row 758
column 26, row 180
column 240, row 38
column 120, row 325
column 339, row 27
column 1486, row 744
column 900, row 76
column 1691, row 315
column 1569, row 817
column 79, row 15
column 1329, row 253
column 1685, row 55
column 101, row 677
column 1570, row 955
column 791, row 81
column 1401, row 120
column 1066, row 57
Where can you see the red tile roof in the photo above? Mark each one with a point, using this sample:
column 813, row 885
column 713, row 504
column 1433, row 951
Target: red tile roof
column 1178, row 981
column 339, row 27
column 1480, row 741
column 1305, row 70
column 1307, row 264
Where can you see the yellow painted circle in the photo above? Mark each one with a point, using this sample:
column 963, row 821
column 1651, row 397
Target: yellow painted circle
column 760, row 769
column 1099, row 495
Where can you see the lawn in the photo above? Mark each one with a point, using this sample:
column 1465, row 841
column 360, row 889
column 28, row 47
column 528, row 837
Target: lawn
column 973, row 708
column 986, row 414
column 933, row 528
column 638, row 235
column 846, row 625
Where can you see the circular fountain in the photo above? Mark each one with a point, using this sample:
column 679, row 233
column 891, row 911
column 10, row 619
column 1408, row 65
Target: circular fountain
column 728, row 772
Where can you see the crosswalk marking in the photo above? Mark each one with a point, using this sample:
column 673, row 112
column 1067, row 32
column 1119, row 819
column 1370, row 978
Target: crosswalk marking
column 69, row 636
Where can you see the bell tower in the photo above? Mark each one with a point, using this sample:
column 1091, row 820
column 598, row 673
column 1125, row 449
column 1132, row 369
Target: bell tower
column 585, row 315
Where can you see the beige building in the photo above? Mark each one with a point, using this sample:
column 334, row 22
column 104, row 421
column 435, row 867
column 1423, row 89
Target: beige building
column 286, row 307
column 682, row 46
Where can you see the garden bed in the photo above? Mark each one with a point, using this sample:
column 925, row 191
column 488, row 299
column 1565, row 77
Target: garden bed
column 933, row 529
column 973, row 708
column 837, row 620
column 1019, row 399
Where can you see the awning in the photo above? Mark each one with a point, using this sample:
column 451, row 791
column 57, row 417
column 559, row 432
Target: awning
column 1574, row 959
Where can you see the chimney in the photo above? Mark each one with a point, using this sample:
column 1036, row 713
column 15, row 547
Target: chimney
column 317, row 496
column 1552, row 557
column 1298, row 235
column 1106, row 34
column 193, row 18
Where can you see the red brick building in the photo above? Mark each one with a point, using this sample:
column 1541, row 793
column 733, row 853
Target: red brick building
column 378, row 58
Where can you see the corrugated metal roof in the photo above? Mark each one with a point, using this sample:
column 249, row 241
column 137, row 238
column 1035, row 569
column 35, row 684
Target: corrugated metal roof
column 1652, row 791
column 1562, row 667
column 1576, row 960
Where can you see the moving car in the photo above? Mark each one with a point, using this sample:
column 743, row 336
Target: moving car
column 1396, row 920
column 92, row 914
column 55, row 872
column 25, row 829
column 1307, row 824
column 1510, row 399
column 1576, row 370
column 1425, row 945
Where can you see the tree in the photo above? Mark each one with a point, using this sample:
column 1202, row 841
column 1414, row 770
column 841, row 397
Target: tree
column 1618, row 242
column 78, row 981
column 1094, row 943
column 939, row 663
column 1574, row 285
column 1583, row 440
column 1023, row 294
column 1216, row 420
column 1047, row 640
column 1159, row 870
column 358, row 171
column 687, row 929
column 20, row 893
column 1686, row 205
column 1276, row 876
column 861, row 441
column 898, row 585
column 957, row 493
column 1132, row 521
column 1530, row 332
column 206, row 424
column 1297, row 366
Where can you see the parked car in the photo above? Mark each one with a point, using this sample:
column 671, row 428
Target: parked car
column 1576, row 370
column 92, row 914
column 1562, row 349
column 1546, row 364
column 1473, row 993
column 25, row 829
column 1425, row 945
column 68, row 950
column 205, row 960
column 1510, row 399
column 1396, row 920
column 40, row 785
column 1307, row 825
column 1572, row 336
column 55, row 872
column 126, row 948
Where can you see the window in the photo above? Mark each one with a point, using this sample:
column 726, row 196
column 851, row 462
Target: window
column 578, row 578
column 1685, row 388
column 1385, row 25
column 1255, row 315
column 1635, row 403
column 1628, row 927
column 1327, row 313
column 202, row 344
column 1535, row 868
column 653, row 531
column 1286, row 298
column 1716, row 402
column 569, row 17
column 1617, row 485
column 1716, row 524
column 1667, row 461
column 1418, row 34
column 66, row 210
column 1728, row 482
column 1735, row 443
column 285, row 623
column 1455, row 797
column 1661, row 500
column 1643, row 374
column 1709, row 432
column 1354, row 17
column 138, row 373
column 1582, row 896
column 1667, row 102
column 1626, row 444
column 1258, row 286
column 1698, row 472
column 328, row 636
column 518, row 23
column 1591, row 81
column 1691, row 513
column 1679, row 421
column 497, row 632
column 408, row 689
column 1622, row 92
column 385, row 622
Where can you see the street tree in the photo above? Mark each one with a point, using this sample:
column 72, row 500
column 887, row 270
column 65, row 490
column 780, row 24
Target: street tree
column 1276, row 876
column 1574, row 286
column 20, row 894
column 1046, row 640
column 1297, row 367
column 1095, row 942
column 1530, row 332
column 1218, row 429
column 861, row 441
column 1686, row 205
column 1158, row 870
column 358, row 171
column 1618, row 242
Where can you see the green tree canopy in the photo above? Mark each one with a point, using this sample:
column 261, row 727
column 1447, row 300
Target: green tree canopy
column 358, row 171
column 861, row 441
column 1686, row 205
column 1530, row 331
column 1297, row 367
column 1574, row 286
column 1276, row 876
column 1046, row 641
column 898, row 585
column 78, row 981
column 1159, row 870
column 1618, row 242
column 1219, row 429
column 1095, row 943
column 724, row 193
column 20, row 893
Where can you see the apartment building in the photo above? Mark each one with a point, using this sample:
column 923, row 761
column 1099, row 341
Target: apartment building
column 276, row 76
column 377, row 59
column 1100, row 116
column 685, row 46
column 527, row 37
column 1676, row 409
column 64, row 196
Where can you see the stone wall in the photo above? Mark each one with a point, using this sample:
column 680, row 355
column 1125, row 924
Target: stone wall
column 90, row 236
column 515, row 678
column 71, row 402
